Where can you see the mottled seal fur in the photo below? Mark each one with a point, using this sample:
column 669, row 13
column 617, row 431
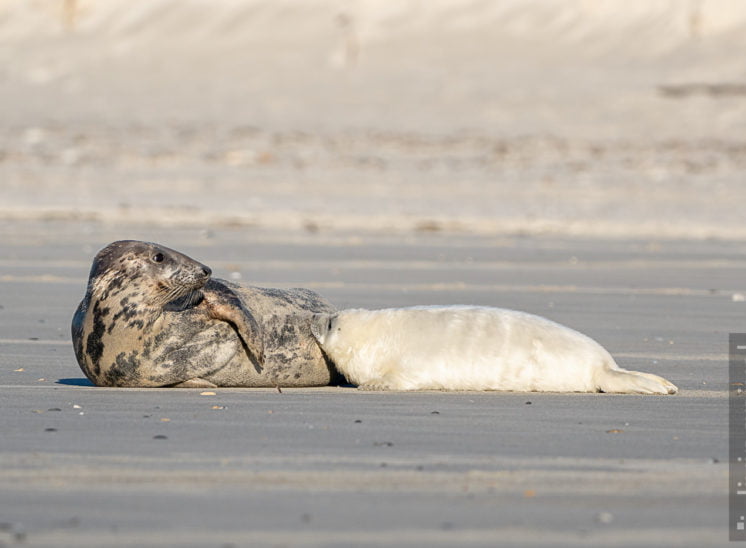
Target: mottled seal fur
column 152, row 316
column 471, row 348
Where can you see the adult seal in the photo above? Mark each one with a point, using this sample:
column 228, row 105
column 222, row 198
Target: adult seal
column 471, row 348
column 154, row 317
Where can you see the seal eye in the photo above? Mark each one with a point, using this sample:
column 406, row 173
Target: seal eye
column 158, row 258
column 329, row 327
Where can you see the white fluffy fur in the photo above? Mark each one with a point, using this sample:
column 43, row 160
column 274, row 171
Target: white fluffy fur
column 471, row 348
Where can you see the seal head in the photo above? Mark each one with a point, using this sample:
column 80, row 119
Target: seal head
column 130, row 286
column 153, row 273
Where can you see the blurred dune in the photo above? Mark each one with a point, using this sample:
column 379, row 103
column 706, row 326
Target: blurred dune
column 595, row 118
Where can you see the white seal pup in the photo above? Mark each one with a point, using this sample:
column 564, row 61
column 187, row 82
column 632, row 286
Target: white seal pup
column 152, row 316
column 471, row 348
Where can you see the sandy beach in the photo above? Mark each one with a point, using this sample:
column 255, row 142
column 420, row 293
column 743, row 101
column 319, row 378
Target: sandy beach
column 578, row 160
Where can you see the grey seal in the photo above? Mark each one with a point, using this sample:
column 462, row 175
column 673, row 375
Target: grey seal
column 154, row 317
column 471, row 348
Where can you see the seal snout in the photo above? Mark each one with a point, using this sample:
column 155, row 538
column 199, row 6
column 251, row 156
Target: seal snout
column 317, row 327
column 193, row 273
column 321, row 325
column 201, row 274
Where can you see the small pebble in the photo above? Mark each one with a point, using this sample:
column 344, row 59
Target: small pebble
column 207, row 393
column 160, row 437
column 604, row 517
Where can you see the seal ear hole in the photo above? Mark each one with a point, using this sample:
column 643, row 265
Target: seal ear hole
column 158, row 258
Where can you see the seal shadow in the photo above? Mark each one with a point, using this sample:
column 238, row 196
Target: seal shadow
column 75, row 382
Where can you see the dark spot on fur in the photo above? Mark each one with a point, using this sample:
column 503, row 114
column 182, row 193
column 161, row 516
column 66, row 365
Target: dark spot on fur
column 287, row 335
column 281, row 295
column 146, row 347
column 136, row 324
column 124, row 370
column 282, row 360
column 79, row 340
column 127, row 312
column 114, row 288
column 94, row 344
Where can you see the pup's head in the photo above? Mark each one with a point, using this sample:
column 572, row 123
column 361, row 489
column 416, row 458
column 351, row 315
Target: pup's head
column 159, row 274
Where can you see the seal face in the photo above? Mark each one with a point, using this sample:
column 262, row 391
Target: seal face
column 152, row 316
column 471, row 348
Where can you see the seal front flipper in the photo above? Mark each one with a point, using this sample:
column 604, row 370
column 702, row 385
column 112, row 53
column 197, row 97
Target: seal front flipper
column 223, row 304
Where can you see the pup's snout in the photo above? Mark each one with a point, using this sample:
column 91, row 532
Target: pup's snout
column 317, row 326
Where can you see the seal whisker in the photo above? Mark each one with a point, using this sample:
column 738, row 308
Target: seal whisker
column 187, row 301
column 192, row 298
column 174, row 293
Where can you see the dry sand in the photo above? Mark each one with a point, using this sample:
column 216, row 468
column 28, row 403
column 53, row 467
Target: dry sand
column 604, row 118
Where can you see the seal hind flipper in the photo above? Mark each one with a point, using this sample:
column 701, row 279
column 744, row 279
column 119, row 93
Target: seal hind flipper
column 634, row 382
column 194, row 383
